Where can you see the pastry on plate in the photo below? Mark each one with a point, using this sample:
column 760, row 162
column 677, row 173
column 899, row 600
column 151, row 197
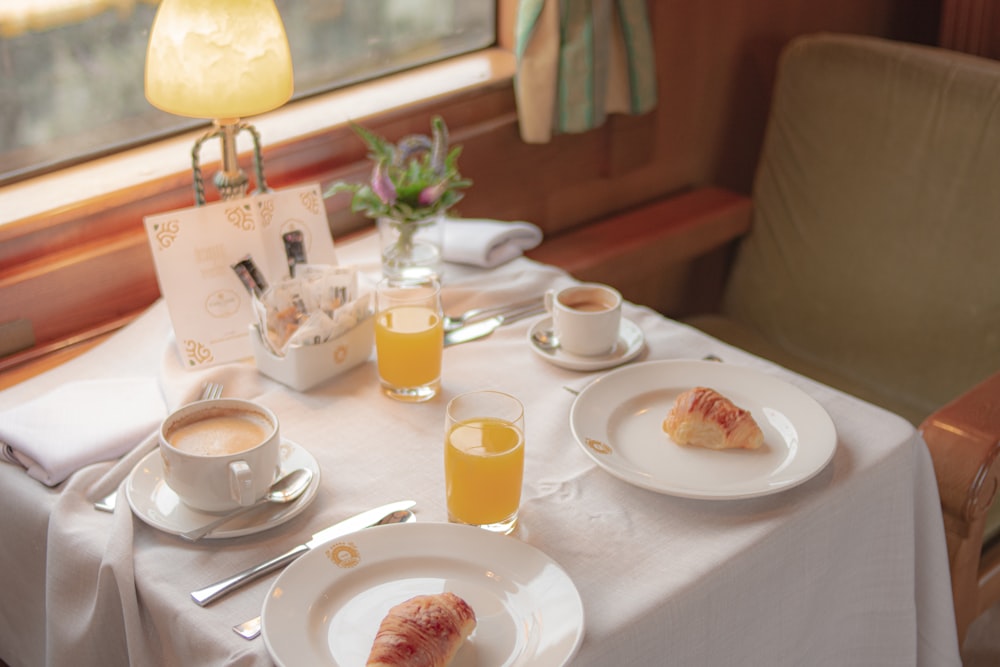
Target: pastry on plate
column 702, row 417
column 424, row 631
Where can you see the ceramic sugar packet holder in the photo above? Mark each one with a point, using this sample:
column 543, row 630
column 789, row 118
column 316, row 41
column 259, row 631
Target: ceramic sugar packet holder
column 305, row 366
column 313, row 326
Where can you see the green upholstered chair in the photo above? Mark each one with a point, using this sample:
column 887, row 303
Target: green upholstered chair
column 873, row 260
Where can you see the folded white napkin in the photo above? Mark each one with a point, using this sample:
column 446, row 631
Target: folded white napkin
column 487, row 243
column 80, row 423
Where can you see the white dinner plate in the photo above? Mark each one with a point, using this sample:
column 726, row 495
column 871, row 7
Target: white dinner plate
column 618, row 421
column 158, row 505
column 630, row 343
column 326, row 607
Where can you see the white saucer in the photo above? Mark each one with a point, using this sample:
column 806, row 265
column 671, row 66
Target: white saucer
column 630, row 342
column 156, row 503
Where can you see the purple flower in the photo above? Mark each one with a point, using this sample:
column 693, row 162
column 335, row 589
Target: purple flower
column 382, row 184
column 410, row 146
column 432, row 193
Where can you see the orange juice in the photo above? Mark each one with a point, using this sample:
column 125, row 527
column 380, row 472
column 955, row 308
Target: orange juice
column 409, row 340
column 483, row 467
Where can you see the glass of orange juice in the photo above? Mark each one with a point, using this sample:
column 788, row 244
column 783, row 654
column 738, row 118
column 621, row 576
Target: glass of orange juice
column 484, row 459
column 409, row 338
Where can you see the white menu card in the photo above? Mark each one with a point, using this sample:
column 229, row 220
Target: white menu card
column 197, row 253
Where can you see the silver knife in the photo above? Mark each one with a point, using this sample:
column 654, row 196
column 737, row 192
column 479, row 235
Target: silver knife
column 363, row 520
column 483, row 328
column 251, row 629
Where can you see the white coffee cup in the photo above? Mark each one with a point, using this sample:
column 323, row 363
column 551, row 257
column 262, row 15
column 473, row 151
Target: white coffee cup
column 586, row 318
column 220, row 454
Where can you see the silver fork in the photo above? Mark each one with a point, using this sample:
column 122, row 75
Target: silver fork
column 452, row 323
column 108, row 502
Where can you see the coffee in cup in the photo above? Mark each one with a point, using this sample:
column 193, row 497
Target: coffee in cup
column 220, row 454
column 586, row 318
column 588, row 299
column 220, row 432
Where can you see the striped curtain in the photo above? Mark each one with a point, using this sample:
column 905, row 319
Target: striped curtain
column 580, row 60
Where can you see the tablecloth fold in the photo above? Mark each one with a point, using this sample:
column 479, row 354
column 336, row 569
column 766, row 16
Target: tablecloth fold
column 80, row 423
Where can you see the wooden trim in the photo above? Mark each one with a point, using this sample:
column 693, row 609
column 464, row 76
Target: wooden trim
column 989, row 578
column 506, row 23
column 671, row 254
column 19, row 367
column 971, row 26
column 673, row 229
column 963, row 438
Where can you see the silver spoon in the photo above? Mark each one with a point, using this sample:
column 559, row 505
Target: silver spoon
column 546, row 340
column 251, row 629
column 284, row 490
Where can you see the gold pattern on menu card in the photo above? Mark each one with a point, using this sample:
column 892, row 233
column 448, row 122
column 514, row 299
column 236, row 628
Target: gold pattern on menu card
column 266, row 212
column 165, row 233
column 598, row 446
column 241, row 217
column 197, row 353
column 310, row 200
column 340, row 354
column 344, row 554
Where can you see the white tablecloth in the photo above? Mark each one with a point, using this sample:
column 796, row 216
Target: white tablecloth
column 847, row 569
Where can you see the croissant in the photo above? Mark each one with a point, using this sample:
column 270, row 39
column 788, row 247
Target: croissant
column 424, row 631
column 702, row 417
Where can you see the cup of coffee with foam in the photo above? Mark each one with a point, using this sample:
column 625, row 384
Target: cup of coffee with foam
column 220, row 454
column 586, row 318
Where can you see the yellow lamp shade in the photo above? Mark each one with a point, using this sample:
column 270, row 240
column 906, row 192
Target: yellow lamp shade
column 221, row 59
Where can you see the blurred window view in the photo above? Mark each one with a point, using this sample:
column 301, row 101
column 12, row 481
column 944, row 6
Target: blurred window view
column 71, row 71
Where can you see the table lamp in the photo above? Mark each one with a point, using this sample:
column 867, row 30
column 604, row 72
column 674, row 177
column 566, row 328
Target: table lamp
column 222, row 60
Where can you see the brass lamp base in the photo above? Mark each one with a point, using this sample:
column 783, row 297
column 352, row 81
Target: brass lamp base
column 231, row 181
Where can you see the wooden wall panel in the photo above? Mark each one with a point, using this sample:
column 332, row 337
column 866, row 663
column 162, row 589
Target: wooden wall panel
column 971, row 26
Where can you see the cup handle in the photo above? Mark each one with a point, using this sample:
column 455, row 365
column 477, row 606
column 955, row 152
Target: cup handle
column 241, row 483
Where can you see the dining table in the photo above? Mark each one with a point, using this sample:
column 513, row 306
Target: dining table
column 846, row 565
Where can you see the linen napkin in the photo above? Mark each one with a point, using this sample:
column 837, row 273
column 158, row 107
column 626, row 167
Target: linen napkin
column 79, row 423
column 487, row 243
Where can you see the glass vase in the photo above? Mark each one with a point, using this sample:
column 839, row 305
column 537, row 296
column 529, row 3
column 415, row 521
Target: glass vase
column 411, row 250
